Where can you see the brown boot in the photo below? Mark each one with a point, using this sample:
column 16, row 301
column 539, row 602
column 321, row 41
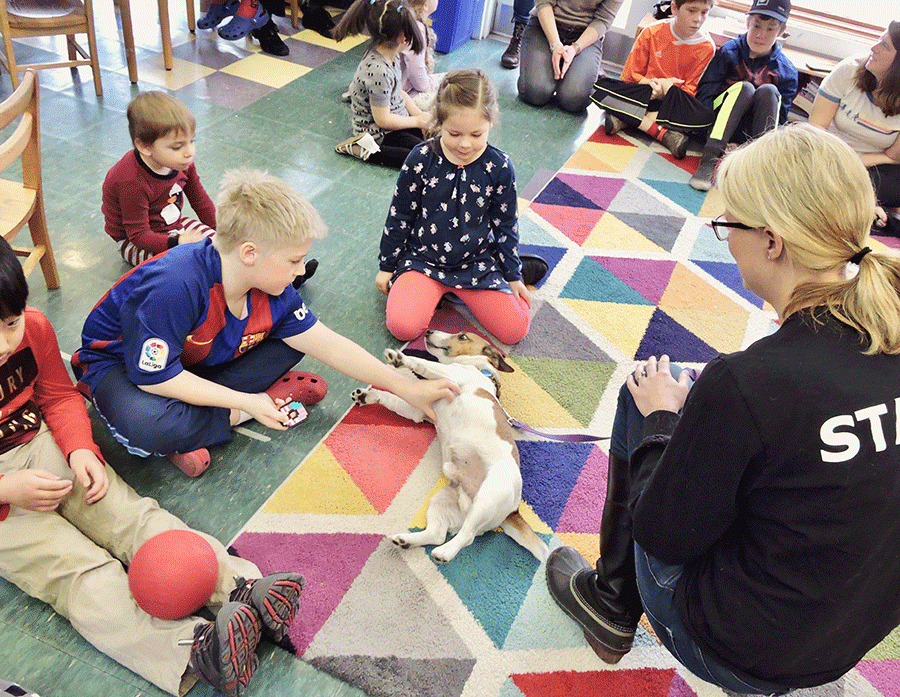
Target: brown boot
column 604, row 601
column 510, row 57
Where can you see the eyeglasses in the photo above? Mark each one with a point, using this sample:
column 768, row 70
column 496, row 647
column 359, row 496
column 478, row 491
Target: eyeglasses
column 718, row 223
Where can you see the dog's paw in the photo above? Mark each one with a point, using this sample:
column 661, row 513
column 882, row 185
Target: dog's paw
column 439, row 558
column 360, row 396
column 394, row 357
column 400, row 541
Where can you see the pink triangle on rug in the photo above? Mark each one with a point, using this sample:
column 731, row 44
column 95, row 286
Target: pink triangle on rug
column 584, row 508
column 600, row 190
column 330, row 564
column 883, row 675
column 575, row 223
column 680, row 688
column 649, row 277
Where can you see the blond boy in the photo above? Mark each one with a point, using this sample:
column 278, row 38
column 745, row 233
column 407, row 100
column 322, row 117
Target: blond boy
column 191, row 343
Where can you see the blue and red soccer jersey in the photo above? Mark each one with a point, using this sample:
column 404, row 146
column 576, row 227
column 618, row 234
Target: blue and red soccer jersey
column 170, row 313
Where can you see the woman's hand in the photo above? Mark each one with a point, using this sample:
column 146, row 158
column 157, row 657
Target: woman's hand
column 383, row 281
column 654, row 388
column 520, row 291
column 568, row 55
column 558, row 60
column 880, row 217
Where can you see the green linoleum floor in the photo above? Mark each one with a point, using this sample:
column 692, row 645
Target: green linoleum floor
column 290, row 133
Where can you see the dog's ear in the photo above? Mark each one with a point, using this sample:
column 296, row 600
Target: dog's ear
column 496, row 359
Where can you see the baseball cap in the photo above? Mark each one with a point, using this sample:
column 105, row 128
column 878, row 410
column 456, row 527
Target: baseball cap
column 777, row 9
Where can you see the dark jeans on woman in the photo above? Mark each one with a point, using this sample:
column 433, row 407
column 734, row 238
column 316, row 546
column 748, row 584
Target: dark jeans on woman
column 657, row 581
column 522, row 10
column 395, row 146
column 147, row 424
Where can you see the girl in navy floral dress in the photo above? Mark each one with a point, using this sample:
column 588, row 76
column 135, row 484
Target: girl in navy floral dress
column 452, row 224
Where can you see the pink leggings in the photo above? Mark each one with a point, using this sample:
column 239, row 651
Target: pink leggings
column 414, row 297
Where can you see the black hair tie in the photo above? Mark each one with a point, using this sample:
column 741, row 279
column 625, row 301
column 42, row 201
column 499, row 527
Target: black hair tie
column 858, row 257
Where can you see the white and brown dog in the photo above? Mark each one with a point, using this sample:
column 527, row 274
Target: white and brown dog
column 478, row 451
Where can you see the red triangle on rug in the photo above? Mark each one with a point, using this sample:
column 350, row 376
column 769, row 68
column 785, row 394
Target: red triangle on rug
column 599, row 136
column 379, row 456
column 689, row 163
column 642, row 682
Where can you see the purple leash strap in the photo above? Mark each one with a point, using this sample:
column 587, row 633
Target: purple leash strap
column 568, row 437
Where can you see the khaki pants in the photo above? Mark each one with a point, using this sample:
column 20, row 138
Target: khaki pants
column 72, row 559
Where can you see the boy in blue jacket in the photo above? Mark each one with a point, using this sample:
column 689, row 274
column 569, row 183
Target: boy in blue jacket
column 749, row 82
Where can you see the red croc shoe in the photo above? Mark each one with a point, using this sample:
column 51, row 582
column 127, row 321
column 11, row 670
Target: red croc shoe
column 193, row 463
column 296, row 386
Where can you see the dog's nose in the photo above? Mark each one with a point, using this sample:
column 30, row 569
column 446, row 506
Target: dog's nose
column 429, row 332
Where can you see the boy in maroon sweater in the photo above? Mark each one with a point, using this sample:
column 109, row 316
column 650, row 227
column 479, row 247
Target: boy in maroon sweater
column 68, row 523
column 144, row 192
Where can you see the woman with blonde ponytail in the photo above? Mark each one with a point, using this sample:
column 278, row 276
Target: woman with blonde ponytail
column 755, row 516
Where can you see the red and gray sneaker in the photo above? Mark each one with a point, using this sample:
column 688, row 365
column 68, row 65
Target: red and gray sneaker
column 275, row 597
column 224, row 651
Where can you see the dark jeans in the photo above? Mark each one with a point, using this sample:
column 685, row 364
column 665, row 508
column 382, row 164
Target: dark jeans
column 147, row 424
column 522, row 9
column 395, row 146
column 657, row 581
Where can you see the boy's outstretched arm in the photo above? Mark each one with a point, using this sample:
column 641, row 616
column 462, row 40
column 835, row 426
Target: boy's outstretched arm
column 192, row 389
column 350, row 358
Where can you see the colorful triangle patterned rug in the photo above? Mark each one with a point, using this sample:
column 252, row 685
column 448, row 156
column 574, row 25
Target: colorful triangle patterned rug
column 635, row 271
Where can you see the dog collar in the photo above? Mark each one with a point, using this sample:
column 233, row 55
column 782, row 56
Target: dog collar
column 488, row 373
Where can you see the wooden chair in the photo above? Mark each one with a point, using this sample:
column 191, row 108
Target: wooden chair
column 24, row 18
column 23, row 202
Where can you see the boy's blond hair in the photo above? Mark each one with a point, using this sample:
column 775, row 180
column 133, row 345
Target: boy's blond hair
column 254, row 206
column 152, row 115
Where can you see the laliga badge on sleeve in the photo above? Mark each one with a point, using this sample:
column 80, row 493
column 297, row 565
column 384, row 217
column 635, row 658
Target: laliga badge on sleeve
column 154, row 354
column 296, row 413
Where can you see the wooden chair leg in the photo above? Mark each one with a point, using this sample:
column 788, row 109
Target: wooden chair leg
column 192, row 18
column 166, row 31
column 295, row 15
column 41, row 236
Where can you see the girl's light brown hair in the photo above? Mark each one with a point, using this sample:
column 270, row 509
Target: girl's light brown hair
column 465, row 89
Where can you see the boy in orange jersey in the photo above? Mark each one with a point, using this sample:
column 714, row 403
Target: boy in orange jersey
column 659, row 80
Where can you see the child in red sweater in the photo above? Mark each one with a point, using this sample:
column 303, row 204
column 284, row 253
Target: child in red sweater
column 143, row 193
column 68, row 523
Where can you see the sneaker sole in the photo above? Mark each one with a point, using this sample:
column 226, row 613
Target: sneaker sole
column 279, row 605
column 237, row 642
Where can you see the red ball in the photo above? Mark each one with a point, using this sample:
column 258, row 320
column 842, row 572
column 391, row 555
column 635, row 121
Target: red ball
column 173, row 574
